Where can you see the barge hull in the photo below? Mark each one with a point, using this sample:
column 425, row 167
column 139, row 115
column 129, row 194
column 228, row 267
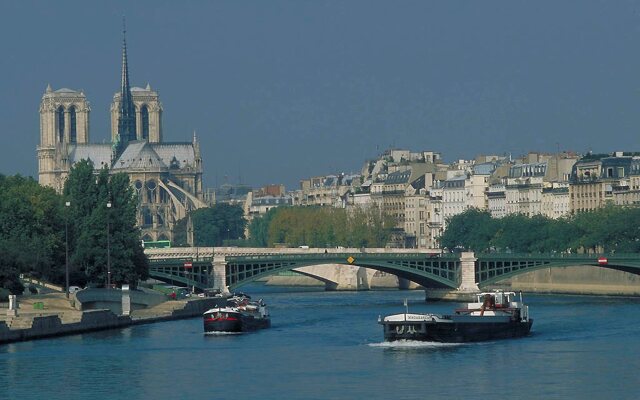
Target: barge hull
column 223, row 325
column 455, row 332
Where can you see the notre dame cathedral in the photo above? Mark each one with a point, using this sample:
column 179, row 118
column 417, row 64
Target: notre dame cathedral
column 166, row 176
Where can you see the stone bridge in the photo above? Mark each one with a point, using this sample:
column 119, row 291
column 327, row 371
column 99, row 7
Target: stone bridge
column 231, row 267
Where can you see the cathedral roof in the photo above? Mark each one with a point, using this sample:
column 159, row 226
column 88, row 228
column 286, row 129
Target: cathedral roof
column 67, row 90
column 175, row 155
column 65, row 93
column 139, row 155
column 99, row 154
column 139, row 89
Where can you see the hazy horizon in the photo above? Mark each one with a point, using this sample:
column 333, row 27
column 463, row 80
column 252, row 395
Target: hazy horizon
column 281, row 91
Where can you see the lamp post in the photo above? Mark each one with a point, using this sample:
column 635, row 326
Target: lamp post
column 108, row 246
column 66, row 247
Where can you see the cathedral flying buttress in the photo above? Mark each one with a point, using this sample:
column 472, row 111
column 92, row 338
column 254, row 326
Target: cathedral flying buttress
column 167, row 177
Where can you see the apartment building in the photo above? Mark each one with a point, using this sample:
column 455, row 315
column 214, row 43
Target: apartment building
column 330, row 190
column 598, row 180
column 497, row 200
column 535, row 185
column 523, row 191
column 555, row 200
column 261, row 205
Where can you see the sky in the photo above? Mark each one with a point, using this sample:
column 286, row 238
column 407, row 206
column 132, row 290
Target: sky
column 279, row 91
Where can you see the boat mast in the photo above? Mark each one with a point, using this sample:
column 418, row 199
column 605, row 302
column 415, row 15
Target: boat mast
column 406, row 309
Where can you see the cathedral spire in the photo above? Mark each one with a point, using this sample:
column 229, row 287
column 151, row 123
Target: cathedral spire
column 127, row 111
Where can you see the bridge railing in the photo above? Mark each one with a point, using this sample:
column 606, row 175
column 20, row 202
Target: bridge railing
column 574, row 256
column 179, row 260
column 332, row 257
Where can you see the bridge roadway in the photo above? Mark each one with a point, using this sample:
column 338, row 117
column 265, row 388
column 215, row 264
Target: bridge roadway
column 231, row 267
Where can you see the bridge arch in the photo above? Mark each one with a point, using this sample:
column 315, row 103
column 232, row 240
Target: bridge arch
column 426, row 271
column 493, row 268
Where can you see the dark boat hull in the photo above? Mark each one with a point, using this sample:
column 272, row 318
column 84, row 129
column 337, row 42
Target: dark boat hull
column 243, row 323
column 222, row 325
column 455, row 332
column 251, row 323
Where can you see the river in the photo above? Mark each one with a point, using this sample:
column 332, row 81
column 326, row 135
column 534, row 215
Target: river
column 328, row 345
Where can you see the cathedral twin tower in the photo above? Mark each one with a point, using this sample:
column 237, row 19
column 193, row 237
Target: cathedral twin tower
column 64, row 120
column 166, row 176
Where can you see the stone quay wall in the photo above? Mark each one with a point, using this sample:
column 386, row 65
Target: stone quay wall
column 582, row 280
column 21, row 328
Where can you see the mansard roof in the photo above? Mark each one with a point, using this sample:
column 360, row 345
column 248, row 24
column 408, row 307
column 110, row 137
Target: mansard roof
column 484, row 168
column 528, row 170
column 414, row 172
column 398, row 177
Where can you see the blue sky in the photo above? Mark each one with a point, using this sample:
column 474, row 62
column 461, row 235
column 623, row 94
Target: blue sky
column 278, row 91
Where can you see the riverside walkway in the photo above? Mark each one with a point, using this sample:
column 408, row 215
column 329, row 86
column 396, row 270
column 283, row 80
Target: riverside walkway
column 49, row 315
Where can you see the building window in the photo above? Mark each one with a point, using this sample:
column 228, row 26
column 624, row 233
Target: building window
column 144, row 115
column 60, row 121
column 147, row 218
column 72, row 125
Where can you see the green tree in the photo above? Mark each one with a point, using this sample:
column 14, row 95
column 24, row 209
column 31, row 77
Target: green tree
column 127, row 256
column 259, row 229
column 108, row 235
column 30, row 231
column 321, row 227
column 212, row 226
column 471, row 230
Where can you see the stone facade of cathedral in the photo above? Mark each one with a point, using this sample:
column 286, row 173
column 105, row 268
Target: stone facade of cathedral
column 167, row 177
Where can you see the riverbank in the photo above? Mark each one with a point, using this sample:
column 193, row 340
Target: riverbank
column 53, row 315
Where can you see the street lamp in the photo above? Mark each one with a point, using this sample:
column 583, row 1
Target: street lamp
column 108, row 246
column 66, row 247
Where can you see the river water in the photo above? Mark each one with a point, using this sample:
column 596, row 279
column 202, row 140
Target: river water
column 328, row 345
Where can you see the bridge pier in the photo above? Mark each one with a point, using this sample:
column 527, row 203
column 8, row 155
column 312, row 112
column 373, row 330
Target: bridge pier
column 219, row 273
column 404, row 283
column 468, row 272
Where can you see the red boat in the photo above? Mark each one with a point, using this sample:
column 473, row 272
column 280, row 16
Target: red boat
column 240, row 315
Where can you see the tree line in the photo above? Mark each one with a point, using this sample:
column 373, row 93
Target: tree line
column 35, row 220
column 321, row 227
column 215, row 226
column 609, row 229
column 294, row 226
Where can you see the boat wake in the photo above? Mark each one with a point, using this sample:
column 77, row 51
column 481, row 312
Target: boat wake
column 413, row 344
column 217, row 333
